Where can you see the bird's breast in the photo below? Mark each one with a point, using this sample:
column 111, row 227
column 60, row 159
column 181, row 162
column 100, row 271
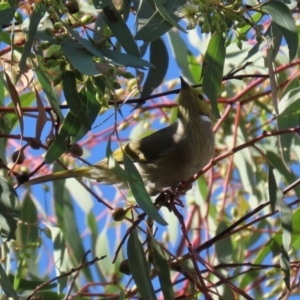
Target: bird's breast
column 192, row 150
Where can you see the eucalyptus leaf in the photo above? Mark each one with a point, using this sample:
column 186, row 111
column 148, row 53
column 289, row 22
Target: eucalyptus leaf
column 284, row 21
column 70, row 127
column 39, row 11
column 139, row 192
column 6, row 285
column 213, row 69
column 10, row 210
column 139, row 266
column 160, row 59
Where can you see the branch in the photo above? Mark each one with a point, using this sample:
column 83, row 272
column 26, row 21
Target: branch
column 87, row 264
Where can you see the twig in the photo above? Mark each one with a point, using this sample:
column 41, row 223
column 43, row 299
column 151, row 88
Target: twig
column 76, row 275
column 190, row 249
column 87, row 264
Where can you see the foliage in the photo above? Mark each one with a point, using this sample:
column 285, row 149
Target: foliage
column 76, row 76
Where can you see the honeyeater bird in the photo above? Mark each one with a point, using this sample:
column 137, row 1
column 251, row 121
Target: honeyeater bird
column 164, row 158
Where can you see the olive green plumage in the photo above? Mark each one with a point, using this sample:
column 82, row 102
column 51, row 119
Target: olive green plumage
column 166, row 157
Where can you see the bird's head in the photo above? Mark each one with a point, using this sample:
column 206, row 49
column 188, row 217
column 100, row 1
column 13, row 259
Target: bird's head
column 191, row 104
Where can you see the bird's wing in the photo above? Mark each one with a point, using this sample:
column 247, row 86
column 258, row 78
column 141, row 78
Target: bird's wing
column 151, row 147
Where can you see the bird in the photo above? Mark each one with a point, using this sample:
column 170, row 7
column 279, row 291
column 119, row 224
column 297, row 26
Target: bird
column 165, row 158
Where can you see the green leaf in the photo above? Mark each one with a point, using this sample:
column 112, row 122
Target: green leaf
column 162, row 10
column 113, row 165
column 14, row 96
column 120, row 30
column 181, row 53
column 70, row 241
column 93, row 227
column 79, row 56
column 289, row 113
column 224, row 248
column 227, row 292
column 213, row 69
column 255, row 17
column 285, row 267
column 39, row 11
column 272, row 187
column 6, row 14
column 10, row 210
column 160, row 59
column 6, row 285
column 90, row 109
column 60, row 254
column 144, row 9
column 30, row 284
column 73, row 98
column 84, row 42
column 275, row 36
column 101, row 4
column 139, row 192
column 279, row 165
column 157, row 25
column 162, row 268
column 53, row 295
column 285, row 22
column 122, row 59
column 70, row 127
column 139, row 266
column 244, row 161
column 29, row 233
column 5, row 37
column 286, row 219
column 112, row 56
column 115, row 57
column 46, row 85
column 42, row 116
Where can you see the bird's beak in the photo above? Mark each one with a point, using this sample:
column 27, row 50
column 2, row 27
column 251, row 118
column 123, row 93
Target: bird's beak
column 184, row 85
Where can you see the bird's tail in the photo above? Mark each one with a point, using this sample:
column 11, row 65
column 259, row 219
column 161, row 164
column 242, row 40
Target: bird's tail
column 75, row 173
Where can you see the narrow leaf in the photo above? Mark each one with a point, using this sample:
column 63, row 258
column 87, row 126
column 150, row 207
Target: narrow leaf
column 139, row 266
column 6, row 16
column 180, row 53
column 160, row 59
column 213, row 69
column 79, row 56
column 73, row 98
column 84, row 42
column 7, row 286
column 123, row 59
column 28, row 233
column 139, row 192
column 286, row 219
column 10, row 210
column 163, row 270
column 272, row 77
column 42, row 117
column 120, row 30
column 163, row 12
column 113, row 165
column 47, row 87
column 272, row 187
column 285, row 267
column 285, row 22
column 39, row 11
column 16, row 100
column 70, row 127
column 157, row 25
column 90, row 108
column 224, row 247
column 289, row 117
